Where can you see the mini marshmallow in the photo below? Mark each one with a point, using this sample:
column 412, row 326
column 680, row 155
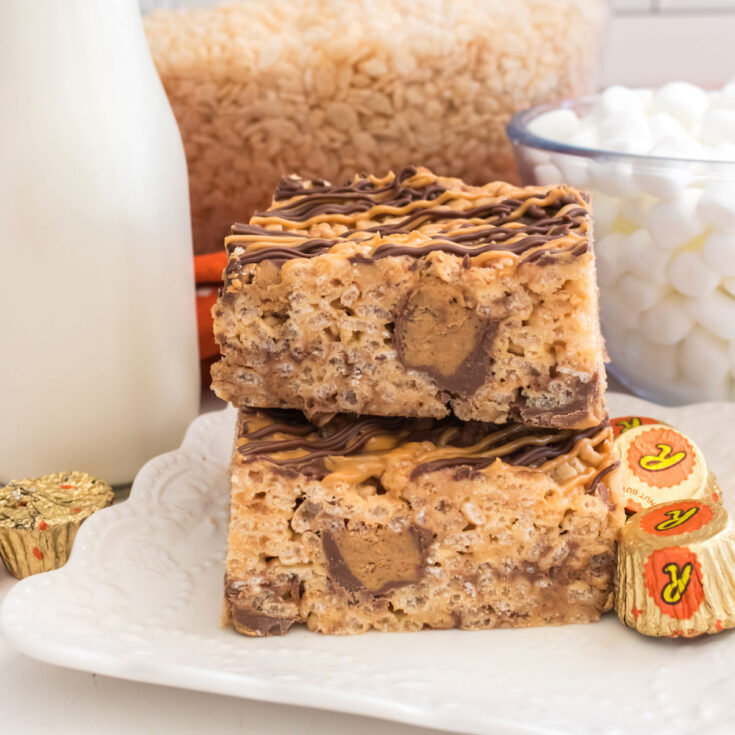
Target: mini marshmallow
column 613, row 178
column 644, row 259
column 640, row 378
column 727, row 95
column 609, row 265
column 721, row 152
column 536, row 156
column 718, row 126
column 574, row 169
column 703, row 357
column 691, row 276
column 667, row 322
column 556, row 124
column 604, row 211
column 615, row 337
column 662, row 125
column 649, row 359
column 728, row 283
column 639, row 294
column 547, row 174
column 615, row 313
column 585, row 137
column 716, row 206
column 686, row 102
column 714, row 312
column 718, row 253
column 625, row 135
column 629, row 251
column 635, row 209
column 723, row 98
column 685, row 148
column 674, row 222
column 663, row 178
column 619, row 100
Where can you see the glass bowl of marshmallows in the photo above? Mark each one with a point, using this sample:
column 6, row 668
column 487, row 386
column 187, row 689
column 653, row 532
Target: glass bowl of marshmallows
column 660, row 168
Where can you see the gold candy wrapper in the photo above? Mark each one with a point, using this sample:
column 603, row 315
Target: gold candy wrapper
column 660, row 464
column 676, row 570
column 40, row 517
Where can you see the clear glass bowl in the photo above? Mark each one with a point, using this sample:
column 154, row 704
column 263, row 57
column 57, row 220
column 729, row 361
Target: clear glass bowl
column 664, row 233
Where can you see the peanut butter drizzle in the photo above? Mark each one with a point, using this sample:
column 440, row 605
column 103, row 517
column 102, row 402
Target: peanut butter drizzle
column 602, row 443
column 370, row 446
column 443, row 214
column 514, row 209
column 408, row 182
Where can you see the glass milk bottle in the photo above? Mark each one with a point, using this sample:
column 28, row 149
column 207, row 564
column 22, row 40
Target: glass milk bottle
column 98, row 355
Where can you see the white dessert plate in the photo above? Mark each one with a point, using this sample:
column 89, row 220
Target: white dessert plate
column 140, row 599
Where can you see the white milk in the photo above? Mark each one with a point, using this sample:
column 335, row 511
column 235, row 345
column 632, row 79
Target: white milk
column 98, row 355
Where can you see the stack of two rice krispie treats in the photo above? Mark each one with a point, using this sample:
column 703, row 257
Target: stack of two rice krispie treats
column 422, row 440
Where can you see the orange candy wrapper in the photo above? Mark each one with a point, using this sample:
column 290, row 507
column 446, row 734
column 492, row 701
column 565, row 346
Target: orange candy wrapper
column 660, row 464
column 208, row 275
column 676, row 570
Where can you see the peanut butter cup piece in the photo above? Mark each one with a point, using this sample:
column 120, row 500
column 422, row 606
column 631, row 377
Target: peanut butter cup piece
column 376, row 559
column 437, row 332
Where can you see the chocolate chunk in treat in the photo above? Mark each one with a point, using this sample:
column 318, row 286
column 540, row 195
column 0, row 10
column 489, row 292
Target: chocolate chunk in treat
column 439, row 333
column 572, row 408
column 257, row 624
column 376, row 559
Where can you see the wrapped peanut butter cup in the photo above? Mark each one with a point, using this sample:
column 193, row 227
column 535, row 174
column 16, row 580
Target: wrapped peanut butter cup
column 40, row 517
column 660, row 464
column 621, row 424
column 676, row 570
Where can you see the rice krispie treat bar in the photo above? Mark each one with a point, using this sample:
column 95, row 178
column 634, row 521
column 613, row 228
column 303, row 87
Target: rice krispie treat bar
column 412, row 295
column 404, row 524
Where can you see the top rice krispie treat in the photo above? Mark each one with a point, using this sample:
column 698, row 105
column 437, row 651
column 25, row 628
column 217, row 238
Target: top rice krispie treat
column 414, row 295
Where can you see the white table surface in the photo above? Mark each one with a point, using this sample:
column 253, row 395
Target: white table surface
column 37, row 698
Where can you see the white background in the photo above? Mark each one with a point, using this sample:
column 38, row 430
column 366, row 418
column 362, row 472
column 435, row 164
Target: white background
column 654, row 41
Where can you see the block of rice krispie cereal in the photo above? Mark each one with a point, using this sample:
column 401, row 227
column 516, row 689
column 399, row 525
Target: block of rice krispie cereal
column 414, row 295
column 403, row 524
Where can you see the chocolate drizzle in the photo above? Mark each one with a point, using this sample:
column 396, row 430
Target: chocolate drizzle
column 344, row 436
column 313, row 198
column 541, row 446
column 332, row 439
column 514, row 225
column 600, row 476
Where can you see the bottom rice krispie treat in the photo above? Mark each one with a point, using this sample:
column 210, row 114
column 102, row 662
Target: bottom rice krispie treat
column 403, row 524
